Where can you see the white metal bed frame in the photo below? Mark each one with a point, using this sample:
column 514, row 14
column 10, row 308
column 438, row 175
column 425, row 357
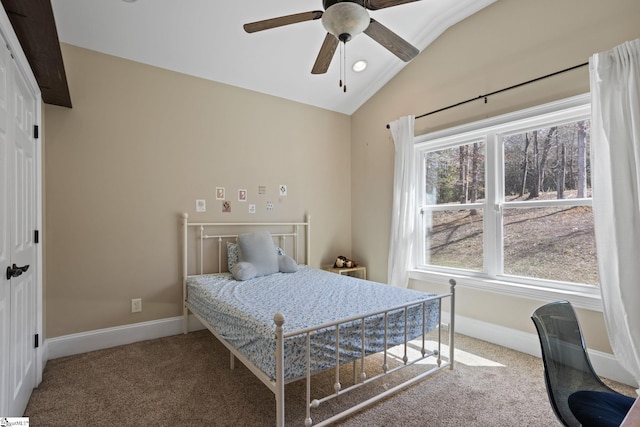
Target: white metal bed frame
column 277, row 386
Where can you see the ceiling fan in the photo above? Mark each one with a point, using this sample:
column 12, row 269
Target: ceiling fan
column 344, row 19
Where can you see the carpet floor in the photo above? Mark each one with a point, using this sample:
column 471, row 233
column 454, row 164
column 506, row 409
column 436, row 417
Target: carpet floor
column 185, row 380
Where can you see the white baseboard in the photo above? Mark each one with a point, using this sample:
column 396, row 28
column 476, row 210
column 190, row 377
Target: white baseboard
column 605, row 364
column 84, row 342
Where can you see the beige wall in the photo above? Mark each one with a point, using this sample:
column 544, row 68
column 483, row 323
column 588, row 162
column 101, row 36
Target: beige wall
column 509, row 42
column 139, row 146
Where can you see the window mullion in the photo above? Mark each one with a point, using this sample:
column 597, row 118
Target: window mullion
column 420, row 249
column 493, row 217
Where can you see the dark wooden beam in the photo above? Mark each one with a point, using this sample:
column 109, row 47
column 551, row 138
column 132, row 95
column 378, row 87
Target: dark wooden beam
column 35, row 26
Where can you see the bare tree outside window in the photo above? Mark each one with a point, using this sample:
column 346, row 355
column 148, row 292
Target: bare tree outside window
column 544, row 204
column 548, row 162
column 455, row 176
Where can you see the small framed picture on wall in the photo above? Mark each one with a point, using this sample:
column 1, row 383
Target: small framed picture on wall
column 219, row 193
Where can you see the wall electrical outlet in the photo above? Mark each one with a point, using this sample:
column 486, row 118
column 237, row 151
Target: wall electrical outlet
column 136, row 305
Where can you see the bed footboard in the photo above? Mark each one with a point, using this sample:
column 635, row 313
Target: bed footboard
column 361, row 378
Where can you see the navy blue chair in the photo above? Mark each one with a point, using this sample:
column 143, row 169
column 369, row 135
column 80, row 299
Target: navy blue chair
column 570, row 379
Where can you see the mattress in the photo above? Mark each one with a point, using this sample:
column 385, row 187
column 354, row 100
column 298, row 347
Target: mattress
column 241, row 312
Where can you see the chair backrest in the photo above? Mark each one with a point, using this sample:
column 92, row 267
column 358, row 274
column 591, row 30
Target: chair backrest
column 567, row 368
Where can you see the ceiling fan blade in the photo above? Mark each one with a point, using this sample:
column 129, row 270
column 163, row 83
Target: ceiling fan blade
column 391, row 41
column 267, row 24
column 325, row 55
column 381, row 4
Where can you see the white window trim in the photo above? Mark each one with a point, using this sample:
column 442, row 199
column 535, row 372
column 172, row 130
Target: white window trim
column 581, row 296
column 586, row 300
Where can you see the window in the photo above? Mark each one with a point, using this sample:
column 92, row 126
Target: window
column 509, row 200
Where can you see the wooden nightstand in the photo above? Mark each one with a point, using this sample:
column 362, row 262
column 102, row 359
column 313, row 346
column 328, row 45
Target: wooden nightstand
column 359, row 271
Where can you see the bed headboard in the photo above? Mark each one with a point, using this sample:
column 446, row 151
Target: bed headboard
column 204, row 246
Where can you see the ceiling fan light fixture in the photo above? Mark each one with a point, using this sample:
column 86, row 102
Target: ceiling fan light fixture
column 345, row 20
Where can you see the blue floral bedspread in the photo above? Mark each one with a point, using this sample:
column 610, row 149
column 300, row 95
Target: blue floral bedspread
column 242, row 313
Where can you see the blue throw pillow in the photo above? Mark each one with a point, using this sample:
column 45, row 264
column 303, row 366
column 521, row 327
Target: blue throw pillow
column 286, row 264
column 233, row 254
column 243, row 271
column 258, row 249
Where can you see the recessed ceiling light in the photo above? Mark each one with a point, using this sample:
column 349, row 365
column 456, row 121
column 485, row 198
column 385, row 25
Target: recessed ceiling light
column 359, row 65
column 129, row 1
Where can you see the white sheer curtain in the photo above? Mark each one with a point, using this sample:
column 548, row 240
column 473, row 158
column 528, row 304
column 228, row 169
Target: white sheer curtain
column 403, row 214
column 615, row 142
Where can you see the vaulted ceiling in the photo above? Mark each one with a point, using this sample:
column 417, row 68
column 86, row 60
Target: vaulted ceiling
column 206, row 39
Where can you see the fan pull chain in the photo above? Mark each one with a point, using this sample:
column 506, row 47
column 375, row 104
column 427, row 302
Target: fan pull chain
column 344, row 64
column 340, row 84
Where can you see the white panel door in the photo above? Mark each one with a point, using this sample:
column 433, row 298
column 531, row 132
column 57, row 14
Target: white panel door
column 23, row 248
column 5, row 245
column 18, row 295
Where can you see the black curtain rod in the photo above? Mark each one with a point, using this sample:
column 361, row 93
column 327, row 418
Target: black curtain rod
column 498, row 91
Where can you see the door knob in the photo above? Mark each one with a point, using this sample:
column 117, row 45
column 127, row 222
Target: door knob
column 15, row 271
